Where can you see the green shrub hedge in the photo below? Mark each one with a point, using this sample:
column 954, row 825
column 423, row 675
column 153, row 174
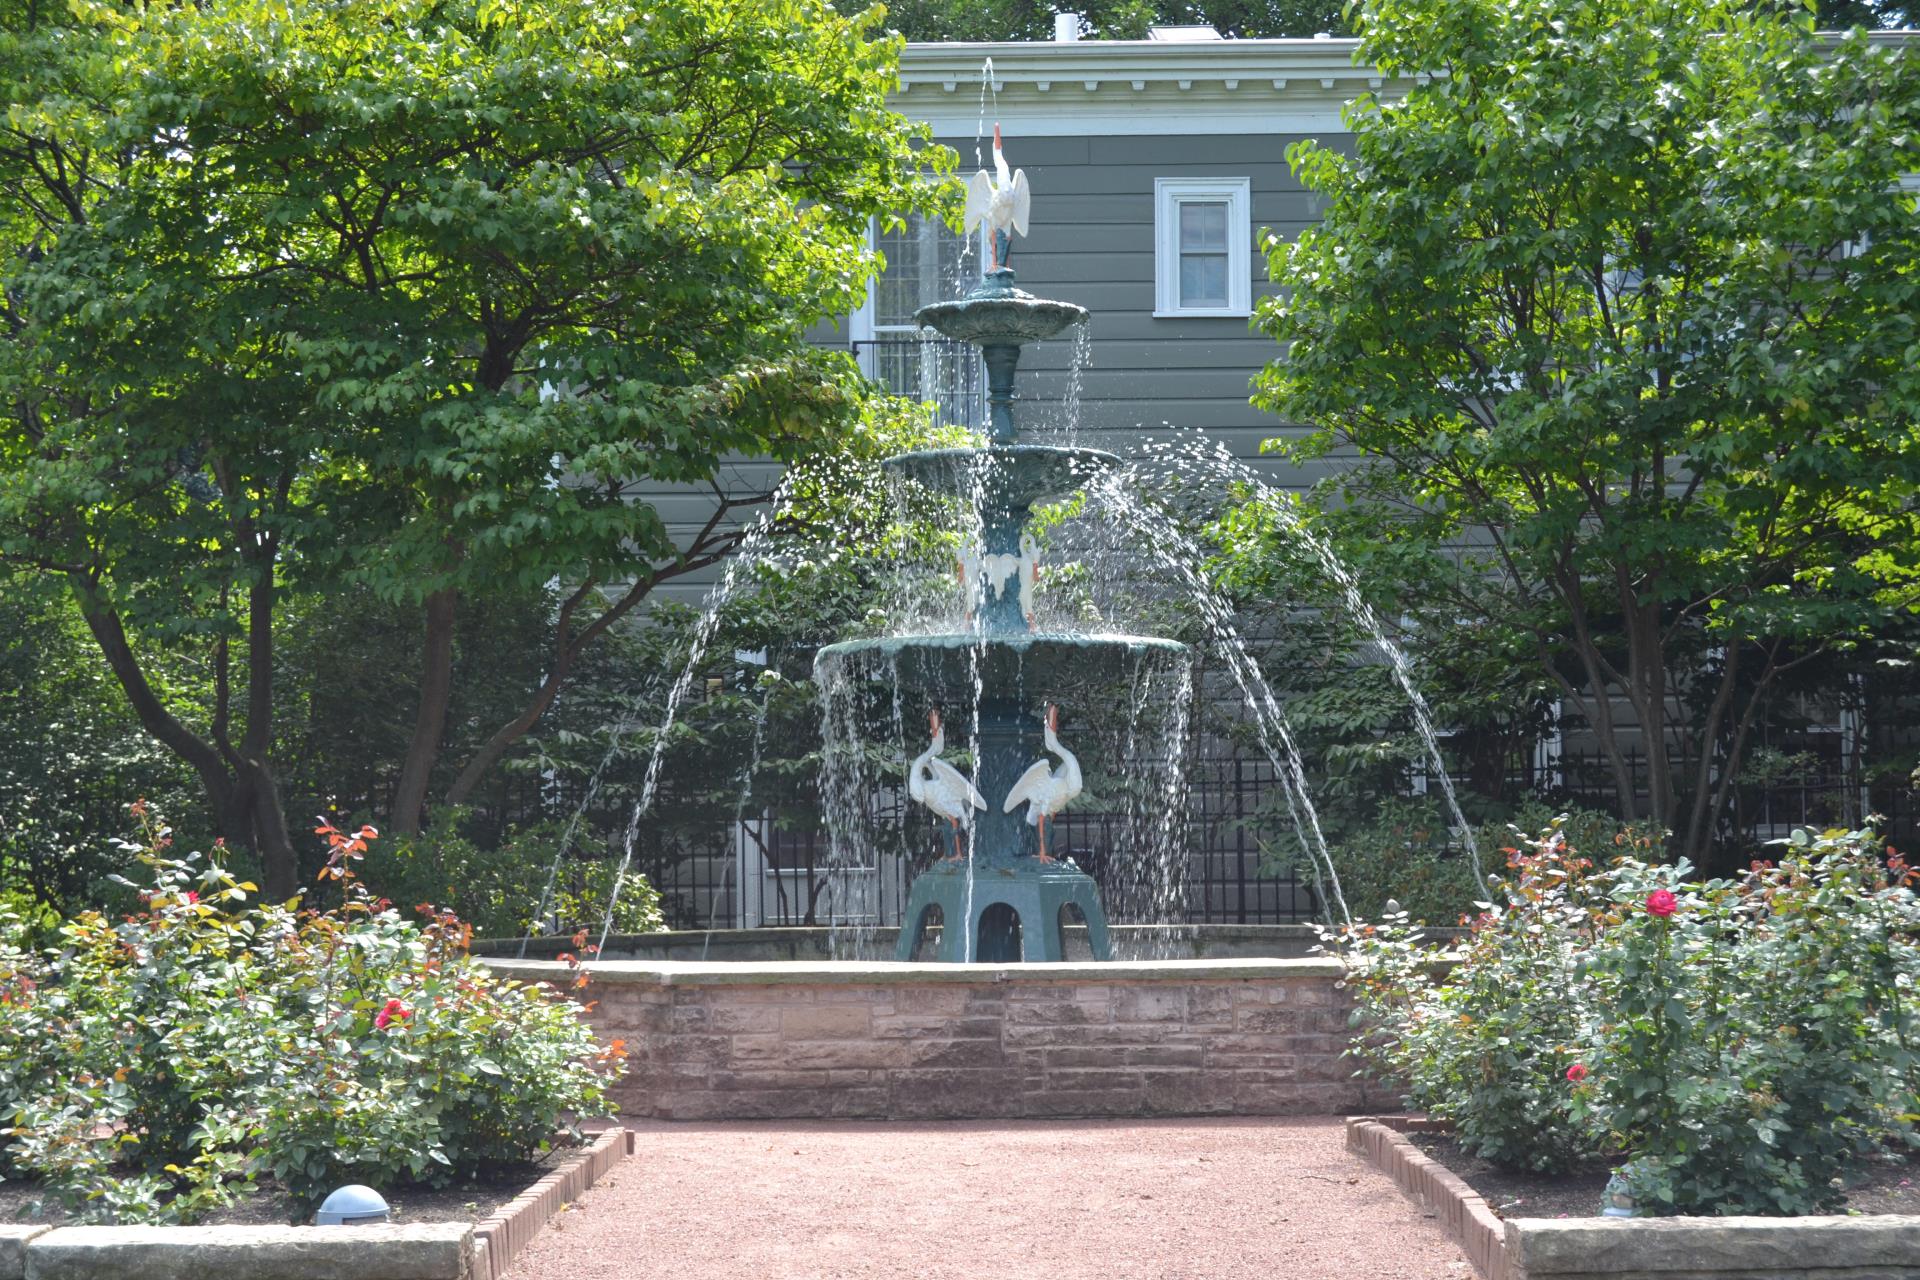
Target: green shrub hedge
column 152, row 1066
column 1740, row 1042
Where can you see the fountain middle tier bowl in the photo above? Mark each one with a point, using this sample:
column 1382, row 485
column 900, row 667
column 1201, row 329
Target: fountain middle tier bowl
column 1007, row 475
column 999, row 318
column 1036, row 666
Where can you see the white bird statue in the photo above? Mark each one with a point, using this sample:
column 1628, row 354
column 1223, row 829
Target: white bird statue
column 1002, row 199
column 1044, row 789
column 936, row 784
column 982, row 577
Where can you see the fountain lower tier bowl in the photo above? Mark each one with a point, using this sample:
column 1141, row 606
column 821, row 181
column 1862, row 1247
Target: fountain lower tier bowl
column 1000, row 317
column 1034, row 666
column 1005, row 476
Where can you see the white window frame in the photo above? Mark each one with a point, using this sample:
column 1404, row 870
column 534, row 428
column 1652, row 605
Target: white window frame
column 1168, row 195
column 863, row 325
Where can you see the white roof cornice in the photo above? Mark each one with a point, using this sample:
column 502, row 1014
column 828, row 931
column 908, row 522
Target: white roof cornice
column 1137, row 87
column 1055, row 88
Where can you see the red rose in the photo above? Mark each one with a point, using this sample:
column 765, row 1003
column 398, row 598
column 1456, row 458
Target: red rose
column 1577, row 1072
column 1661, row 902
column 392, row 1012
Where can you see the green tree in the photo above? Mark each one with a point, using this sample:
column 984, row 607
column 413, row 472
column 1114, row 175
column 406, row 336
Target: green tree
column 1841, row 15
column 314, row 297
column 1621, row 314
column 1112, row 19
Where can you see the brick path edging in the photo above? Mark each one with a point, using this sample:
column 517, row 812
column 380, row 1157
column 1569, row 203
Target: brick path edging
column 1472, row 1223
column 1866, row 1247
column 414, row 1251
column 499, row 1239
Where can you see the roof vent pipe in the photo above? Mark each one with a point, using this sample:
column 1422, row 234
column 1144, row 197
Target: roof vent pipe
column 1066, row 27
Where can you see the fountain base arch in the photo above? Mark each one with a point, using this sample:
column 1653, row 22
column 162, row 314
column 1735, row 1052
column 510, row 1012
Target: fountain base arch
column 1035, row 892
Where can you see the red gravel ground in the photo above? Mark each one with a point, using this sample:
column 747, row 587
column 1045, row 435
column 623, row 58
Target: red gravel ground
column 1099, row 1199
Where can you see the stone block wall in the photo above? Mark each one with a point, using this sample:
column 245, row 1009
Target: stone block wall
column 711, row 1042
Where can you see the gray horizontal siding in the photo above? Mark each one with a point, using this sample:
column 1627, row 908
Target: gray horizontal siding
column 1092, row 242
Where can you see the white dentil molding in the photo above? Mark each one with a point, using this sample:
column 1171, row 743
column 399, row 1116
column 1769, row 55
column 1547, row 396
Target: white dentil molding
column 1119, row 88
column 1135, row 87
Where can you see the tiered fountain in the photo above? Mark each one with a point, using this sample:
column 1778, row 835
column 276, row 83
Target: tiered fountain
column 1001, row 894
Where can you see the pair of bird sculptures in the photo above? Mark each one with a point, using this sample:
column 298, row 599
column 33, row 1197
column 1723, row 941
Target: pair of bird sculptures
column 1043, row 788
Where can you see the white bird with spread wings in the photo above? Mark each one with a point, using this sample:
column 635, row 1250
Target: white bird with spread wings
column 936, row 784
column 1001, row 200
column 1044, row 789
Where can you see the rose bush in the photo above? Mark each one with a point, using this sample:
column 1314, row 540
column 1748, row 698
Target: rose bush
column 1742, row 1041
column 1487, row 1047
column 153, row 1065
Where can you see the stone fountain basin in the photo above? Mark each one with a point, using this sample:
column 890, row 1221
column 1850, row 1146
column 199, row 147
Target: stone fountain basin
column 1000, row 318
column 1032, row 666
column 1010, row 476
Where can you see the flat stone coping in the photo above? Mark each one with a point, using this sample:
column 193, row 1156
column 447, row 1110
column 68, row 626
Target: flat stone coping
column 1833, row 1247
column 380, row 1251
column 727, row 973
column 787, row 936
column 421, row 1251
column 1884, row 1244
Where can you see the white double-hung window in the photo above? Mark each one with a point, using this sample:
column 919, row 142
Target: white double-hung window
column 926, row 262
column 1202, row 247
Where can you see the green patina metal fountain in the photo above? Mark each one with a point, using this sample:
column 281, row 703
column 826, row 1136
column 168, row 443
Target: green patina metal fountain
column 1004, row 899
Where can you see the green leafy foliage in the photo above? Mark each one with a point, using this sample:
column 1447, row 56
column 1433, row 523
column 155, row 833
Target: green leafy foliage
column 323, row 299
column 156, row 1064
column 1740, row 1042
column 498, row 890
column 70, row 754
column 1619, row 310
column 1113, row 19
column 1759, row 1039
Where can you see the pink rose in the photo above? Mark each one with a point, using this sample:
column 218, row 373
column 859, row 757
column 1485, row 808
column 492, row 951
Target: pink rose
column 193, row 895
column 1661, row 902
column 392, row 1012
column 1577, row 1072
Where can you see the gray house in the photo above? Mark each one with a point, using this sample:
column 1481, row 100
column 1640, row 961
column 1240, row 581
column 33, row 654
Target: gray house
column 1154, row 166
column 1147, row 158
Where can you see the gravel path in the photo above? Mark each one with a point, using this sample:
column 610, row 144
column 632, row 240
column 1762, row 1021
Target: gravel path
column 1092, row 1199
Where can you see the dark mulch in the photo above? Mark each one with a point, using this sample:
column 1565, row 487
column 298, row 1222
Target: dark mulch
column 1882, row 1186
column 269, row 1204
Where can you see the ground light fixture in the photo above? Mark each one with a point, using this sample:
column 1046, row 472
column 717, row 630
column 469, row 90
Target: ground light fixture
column 352, row 1205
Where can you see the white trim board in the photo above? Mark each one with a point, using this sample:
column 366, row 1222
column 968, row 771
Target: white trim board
column 1168, row 195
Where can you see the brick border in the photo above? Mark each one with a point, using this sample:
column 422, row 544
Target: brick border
column 1874, row 1247
column 1468, row 1218
column 499, row 1239
column 442, row 1250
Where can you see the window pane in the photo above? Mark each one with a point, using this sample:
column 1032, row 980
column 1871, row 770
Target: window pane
column 1203, row 226
column 923, row 265
column 1203, row 279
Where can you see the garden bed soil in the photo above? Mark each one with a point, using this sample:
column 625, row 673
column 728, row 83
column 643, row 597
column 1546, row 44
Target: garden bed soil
column 1889, row 1187
column 269, row 1204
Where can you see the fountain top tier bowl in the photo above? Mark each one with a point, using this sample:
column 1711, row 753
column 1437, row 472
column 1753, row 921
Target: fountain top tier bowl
column 996, row 314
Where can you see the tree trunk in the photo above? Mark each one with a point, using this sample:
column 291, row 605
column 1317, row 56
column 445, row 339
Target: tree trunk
column 241, row 794
column 279, row 864
column 430, row 725
column 1648, row 667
